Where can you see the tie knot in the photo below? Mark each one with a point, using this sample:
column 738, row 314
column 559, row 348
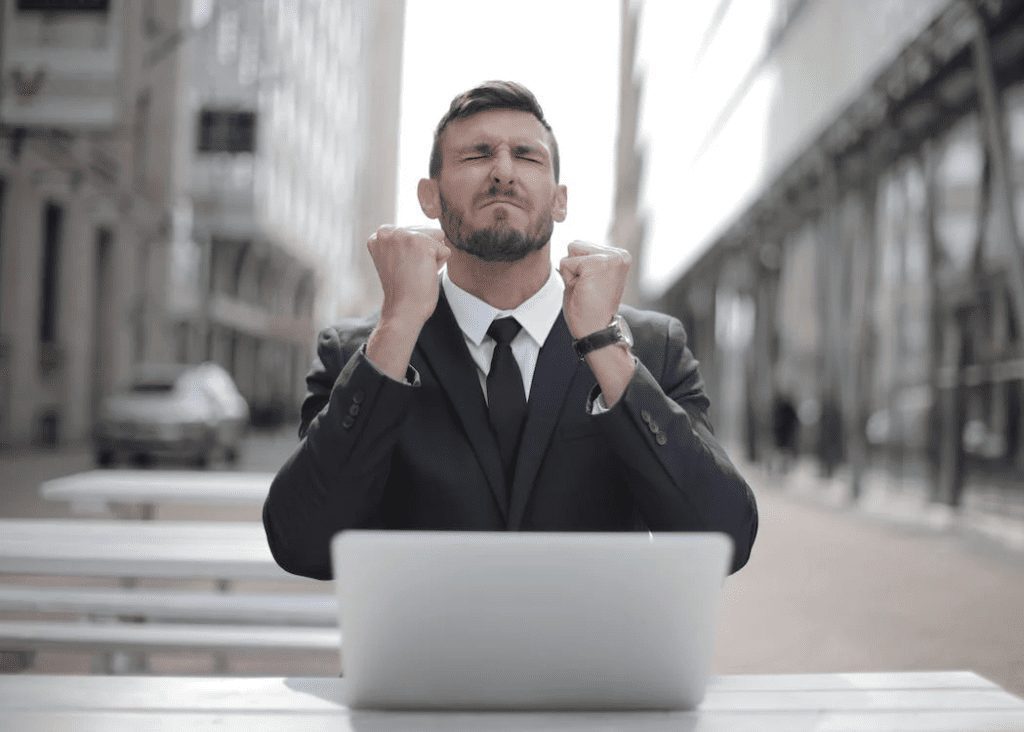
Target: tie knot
column 503, row 330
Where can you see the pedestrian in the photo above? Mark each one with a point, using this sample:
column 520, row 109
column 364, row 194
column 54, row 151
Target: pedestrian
column 785, row 430
column 502, row 393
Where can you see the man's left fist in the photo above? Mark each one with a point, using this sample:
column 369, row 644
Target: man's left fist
column 595, row 277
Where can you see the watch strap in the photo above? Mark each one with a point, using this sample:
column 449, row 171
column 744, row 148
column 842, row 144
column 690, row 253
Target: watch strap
column 599, row 339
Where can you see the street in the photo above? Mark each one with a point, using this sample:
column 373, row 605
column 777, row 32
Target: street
column 826, row 589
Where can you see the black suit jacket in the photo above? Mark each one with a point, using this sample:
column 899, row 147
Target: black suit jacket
column 376, row 453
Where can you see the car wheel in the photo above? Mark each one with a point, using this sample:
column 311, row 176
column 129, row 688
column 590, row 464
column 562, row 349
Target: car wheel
column 232, row 453
column 105, row 458
column 202, row 460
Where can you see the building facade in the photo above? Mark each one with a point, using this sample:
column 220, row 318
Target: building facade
column 849, row 178
column 293, row 138
column 180, row 181
column 77, row 200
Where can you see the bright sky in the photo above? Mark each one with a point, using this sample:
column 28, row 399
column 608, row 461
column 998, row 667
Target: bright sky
column 565, row 51
column 688, row 190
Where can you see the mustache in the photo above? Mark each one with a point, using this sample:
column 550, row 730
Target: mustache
column 496, row 192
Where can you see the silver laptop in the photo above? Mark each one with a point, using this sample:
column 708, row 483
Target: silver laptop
column 479, row 620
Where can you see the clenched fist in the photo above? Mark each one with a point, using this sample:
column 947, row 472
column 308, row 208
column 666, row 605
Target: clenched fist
column 595, row 277
column 407, row 262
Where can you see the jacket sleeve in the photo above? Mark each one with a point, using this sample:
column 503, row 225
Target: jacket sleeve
column 680, row 475
column 335, row 477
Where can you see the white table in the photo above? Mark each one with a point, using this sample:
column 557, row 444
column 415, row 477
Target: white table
column 112, row 548
column 109, row 490
column 954, row 700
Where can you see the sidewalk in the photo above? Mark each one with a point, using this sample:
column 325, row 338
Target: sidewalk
column 991, row 513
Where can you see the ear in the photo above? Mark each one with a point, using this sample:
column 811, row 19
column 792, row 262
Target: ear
column 430, row 197
column 559, row 210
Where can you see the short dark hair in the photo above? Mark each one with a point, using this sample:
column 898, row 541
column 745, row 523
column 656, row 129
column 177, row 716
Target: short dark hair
column 486, row 96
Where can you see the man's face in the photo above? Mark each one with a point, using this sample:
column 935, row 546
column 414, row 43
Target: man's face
column 496, row 195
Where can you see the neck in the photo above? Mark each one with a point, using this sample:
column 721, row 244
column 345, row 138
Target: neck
column 503, row 285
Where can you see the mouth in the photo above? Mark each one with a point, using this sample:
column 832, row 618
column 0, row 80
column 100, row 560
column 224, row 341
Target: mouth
column 507, row 201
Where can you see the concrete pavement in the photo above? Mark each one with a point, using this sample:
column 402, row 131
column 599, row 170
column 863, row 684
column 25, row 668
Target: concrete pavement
column 833, row 588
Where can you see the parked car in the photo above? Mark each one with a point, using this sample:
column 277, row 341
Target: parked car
column 184, row 412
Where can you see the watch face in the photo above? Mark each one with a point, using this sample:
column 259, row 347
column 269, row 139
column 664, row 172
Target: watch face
column 627, row 334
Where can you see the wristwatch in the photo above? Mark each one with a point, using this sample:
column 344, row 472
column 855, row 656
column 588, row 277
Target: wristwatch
column 616, row 334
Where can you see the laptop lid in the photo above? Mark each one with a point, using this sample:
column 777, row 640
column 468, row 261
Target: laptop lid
column 481, row 620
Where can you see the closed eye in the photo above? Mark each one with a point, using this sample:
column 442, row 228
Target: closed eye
column 529, row 153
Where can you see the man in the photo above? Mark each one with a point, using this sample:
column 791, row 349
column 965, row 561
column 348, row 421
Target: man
column 419, row 419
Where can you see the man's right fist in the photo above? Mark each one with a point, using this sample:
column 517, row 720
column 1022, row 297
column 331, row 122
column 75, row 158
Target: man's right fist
column 407, row 261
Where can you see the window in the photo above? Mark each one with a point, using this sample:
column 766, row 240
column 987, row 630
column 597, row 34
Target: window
column 2, row 270
column 53, row 220
column 224, row 131
column 140, row 138
column 50, row 6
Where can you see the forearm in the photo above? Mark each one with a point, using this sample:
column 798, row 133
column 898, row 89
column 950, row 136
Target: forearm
column 613, row 367
column 391, row 344
column 678, row 473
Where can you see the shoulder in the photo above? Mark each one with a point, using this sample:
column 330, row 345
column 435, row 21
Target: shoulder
column 650, row 326
column 659, row 340
column 345, row 336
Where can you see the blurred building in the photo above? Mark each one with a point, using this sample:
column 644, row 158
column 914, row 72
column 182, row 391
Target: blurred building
column 833, row 191
column 627, row 227
column 185, row 180
column 293, row 136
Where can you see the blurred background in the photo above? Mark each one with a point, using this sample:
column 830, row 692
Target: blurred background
column 828, row 193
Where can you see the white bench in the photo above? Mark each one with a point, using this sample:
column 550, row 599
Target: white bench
column 306, row 609
column 112, row 548
column 112, row 491
column 766, row 703
column 30, row 635
column 214, row 620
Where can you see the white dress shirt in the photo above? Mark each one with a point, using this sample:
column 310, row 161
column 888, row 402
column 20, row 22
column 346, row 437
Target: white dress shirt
column 536, row 315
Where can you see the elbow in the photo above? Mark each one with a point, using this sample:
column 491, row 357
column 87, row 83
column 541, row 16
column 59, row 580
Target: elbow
column 744, row 535
column 292, row 557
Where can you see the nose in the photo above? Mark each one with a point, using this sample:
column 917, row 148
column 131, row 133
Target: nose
column 503, row 172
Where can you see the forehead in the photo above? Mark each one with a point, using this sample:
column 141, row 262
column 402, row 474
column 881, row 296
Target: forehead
column 495, row 126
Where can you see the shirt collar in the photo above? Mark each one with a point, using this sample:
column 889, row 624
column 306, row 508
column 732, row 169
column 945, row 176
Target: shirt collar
column 537, row 314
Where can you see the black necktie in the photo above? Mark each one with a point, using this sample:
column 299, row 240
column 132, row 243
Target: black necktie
column 506, row 401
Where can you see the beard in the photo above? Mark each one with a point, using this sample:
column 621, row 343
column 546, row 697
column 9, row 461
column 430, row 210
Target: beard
column 498, row 242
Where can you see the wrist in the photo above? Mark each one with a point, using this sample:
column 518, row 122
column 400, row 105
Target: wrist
column 402, row 318
column 613, row 368
column 617, row 333
column 390, row 346
column 400, row 326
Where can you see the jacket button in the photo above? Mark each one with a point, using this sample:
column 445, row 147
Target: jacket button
column 661, row 439
column 353, row 410
column 645, row 416
column 653, row 427
column 359, row 396
column 347, row 423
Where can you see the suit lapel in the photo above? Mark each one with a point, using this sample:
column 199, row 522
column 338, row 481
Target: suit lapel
column 553, row 378
column 442, row 345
